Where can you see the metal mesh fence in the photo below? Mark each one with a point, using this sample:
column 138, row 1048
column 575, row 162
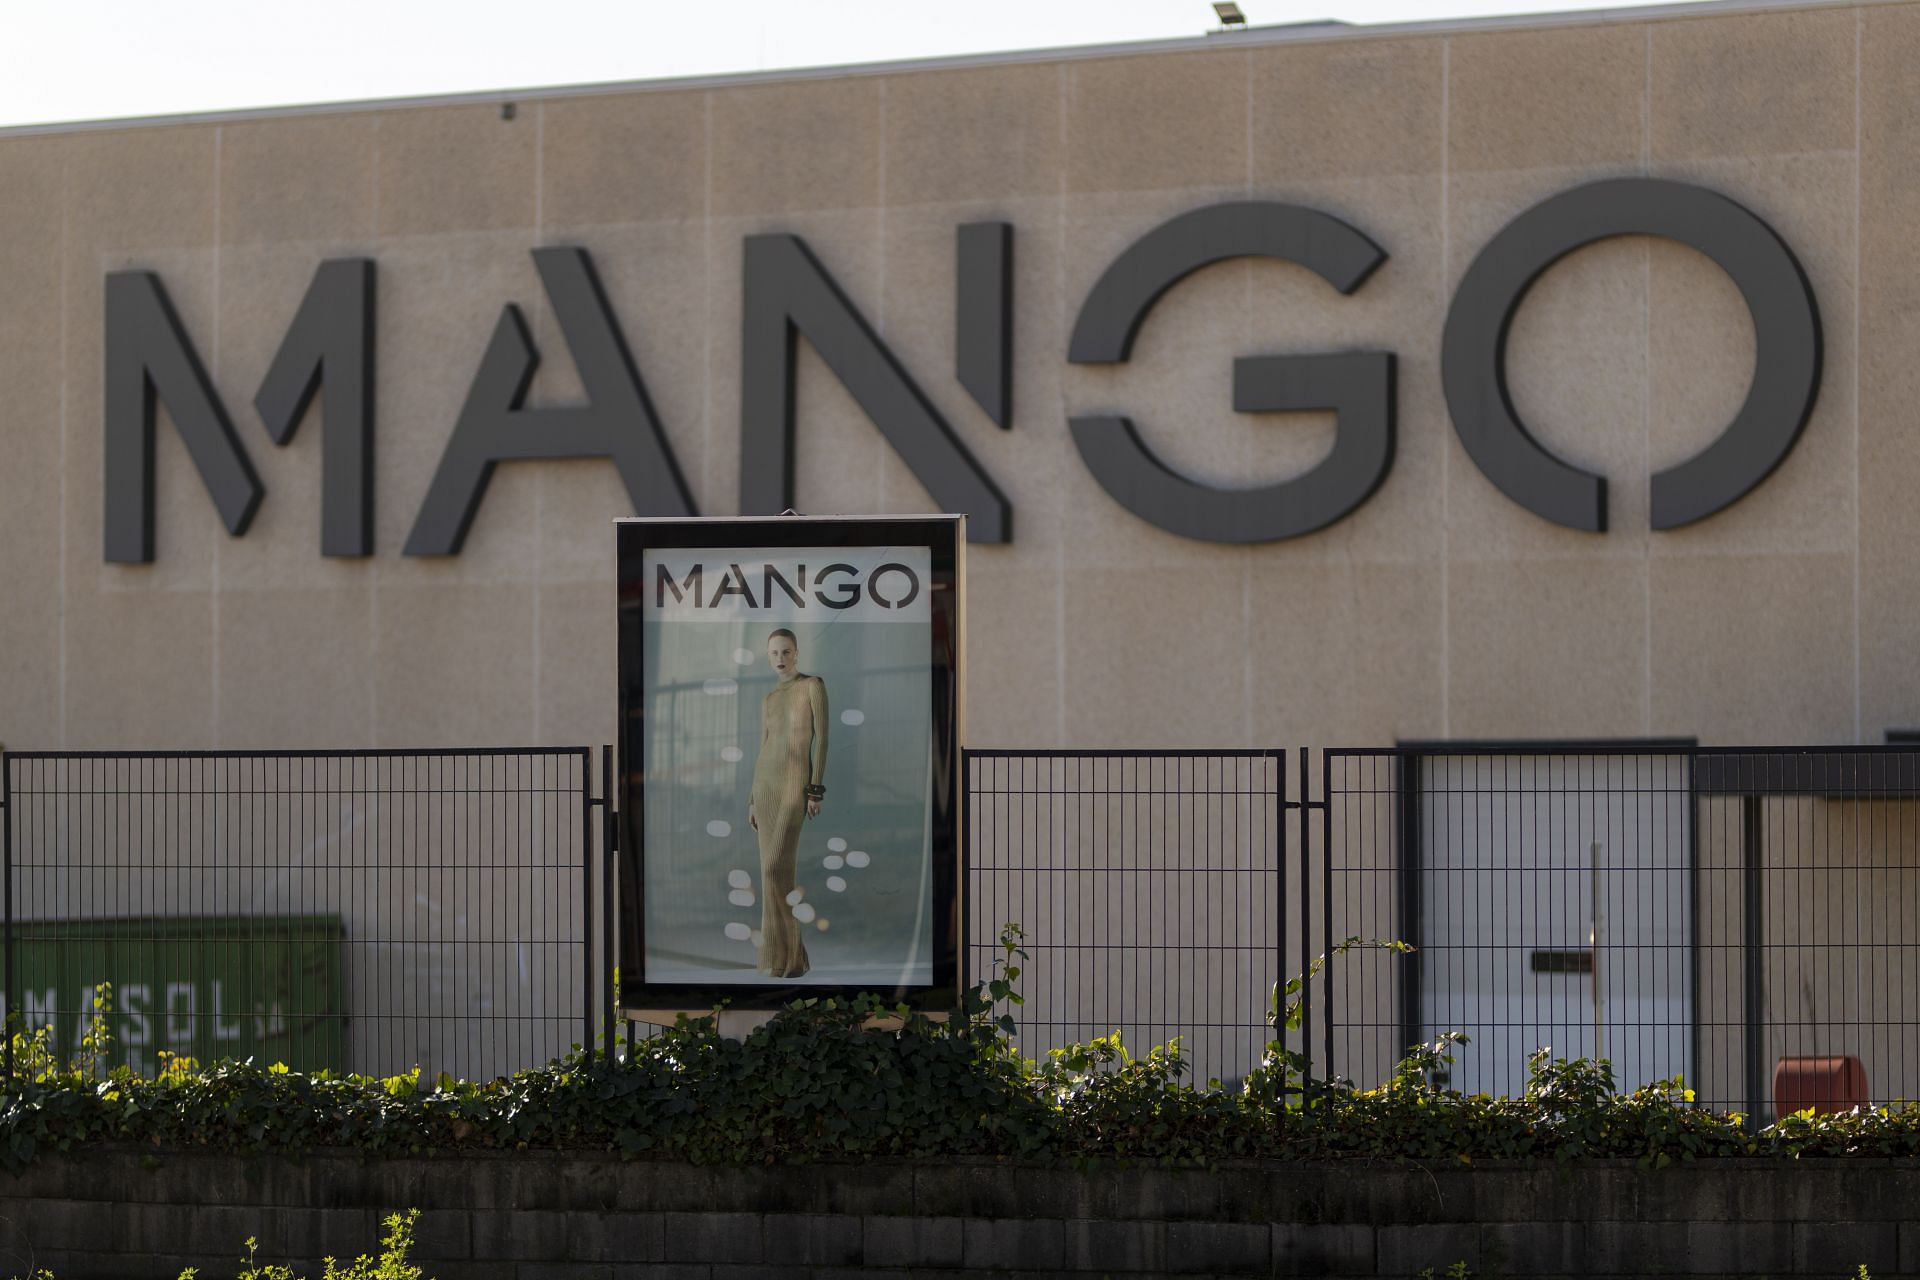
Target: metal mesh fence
column 1748, row 920
column 364, row 911
column 1150, row 889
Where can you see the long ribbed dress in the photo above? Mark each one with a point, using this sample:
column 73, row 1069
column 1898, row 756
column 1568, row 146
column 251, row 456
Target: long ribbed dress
column 792, row 749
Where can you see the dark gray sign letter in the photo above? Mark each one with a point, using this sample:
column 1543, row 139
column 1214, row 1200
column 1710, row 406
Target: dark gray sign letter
column 331, row 342
column 1786, row 332
column 983, row 316
column 148, row 360
column 618, row 422
column 788, row 293
column 1358, row 385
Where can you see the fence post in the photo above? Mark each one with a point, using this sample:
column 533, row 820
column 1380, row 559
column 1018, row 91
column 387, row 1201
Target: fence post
column 1325, row 805
column 1406, row 783
column 1276, row 1005
column 6, row 874
column 1696, row 1050
column 1306, row 931
column 963, row 888
column 1752, row 923
column 610, row 859
column 586, row 892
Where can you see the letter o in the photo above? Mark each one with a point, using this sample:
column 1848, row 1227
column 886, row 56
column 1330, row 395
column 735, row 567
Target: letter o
column 913, row 586
column 1786, row 333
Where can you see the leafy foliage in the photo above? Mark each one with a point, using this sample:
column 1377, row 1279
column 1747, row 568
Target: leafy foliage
column 829, row 1079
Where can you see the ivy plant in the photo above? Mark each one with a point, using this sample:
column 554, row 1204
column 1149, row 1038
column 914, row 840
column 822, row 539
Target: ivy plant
column 829, row 1079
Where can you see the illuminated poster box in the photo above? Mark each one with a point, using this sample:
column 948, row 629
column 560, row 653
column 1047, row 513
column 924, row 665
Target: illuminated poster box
column 790, row 748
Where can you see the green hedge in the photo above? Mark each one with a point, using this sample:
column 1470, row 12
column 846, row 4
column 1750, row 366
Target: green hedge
column 818, row 1082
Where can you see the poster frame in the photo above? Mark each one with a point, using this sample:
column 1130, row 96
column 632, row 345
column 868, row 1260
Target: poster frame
column 945, row 538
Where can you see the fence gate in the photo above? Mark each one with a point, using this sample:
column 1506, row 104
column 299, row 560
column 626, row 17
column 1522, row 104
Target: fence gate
column 366, row 911
column 1151, row 888
column 1720, row 915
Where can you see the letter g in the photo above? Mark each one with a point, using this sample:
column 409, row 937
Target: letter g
column 1357, row 385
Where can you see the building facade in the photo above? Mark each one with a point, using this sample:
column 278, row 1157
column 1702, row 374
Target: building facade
column 1435, row 606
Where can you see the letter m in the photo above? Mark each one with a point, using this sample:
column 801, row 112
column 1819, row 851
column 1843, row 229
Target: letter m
column 150, row 361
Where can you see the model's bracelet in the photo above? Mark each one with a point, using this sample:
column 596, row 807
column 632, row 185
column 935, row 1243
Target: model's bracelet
column 816, row 792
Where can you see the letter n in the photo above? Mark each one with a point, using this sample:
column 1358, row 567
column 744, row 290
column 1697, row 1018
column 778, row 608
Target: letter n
column 149, row 360
column 788, row 293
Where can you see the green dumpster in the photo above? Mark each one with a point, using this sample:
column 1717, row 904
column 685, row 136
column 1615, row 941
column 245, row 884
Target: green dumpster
column 262, row 987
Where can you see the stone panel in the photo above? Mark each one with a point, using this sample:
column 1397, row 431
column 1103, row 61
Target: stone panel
column 987, row 134
column 1015, row 617
column 1547, row 649
column 30, row 642
column 767, row 157
column 627, row 157
column 1549, row 98
column 172, row 168
column 298, row 178
column 1322, row 1249
column 1121, row 625
column 454, row 665
column 296, row 668
column 1347, row 110
column 1178, row 120
column 32, row 210
column 1752, row 84
column 714, row 1237
column 1889, row 333
column 1753, row 649
column 140, row 670
column 1343, row 654
column 576, row 701
column 461, row 168
column 31, row 423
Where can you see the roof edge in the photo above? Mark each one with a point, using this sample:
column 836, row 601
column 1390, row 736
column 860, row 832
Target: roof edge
column 1263, row 36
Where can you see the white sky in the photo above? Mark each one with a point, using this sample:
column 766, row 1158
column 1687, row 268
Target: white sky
column 98, row 59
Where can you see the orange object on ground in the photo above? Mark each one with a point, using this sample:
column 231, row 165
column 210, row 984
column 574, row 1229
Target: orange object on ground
column 1823, row 1084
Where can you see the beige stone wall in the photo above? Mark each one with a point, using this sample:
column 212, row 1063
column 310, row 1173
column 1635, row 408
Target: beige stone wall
column 1439, row 609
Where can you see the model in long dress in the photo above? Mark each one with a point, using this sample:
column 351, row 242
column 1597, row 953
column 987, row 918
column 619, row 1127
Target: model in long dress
column 793, row 759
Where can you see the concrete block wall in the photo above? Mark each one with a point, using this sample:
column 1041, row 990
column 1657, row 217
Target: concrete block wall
column 129, row 1215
